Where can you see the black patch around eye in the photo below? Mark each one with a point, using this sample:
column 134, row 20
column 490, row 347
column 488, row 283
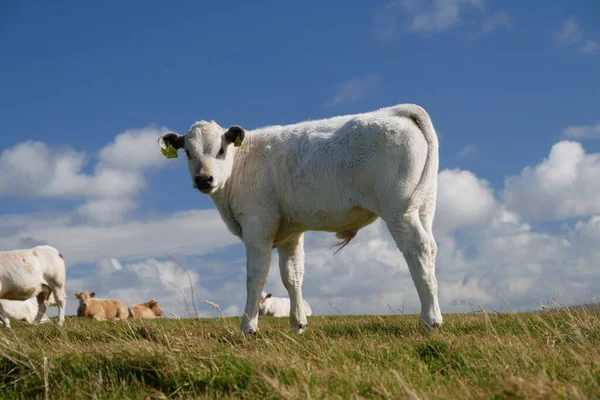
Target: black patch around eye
column 221, row 152
column 187, row 153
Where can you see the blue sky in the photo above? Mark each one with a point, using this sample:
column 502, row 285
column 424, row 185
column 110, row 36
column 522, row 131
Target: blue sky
column 503, row 82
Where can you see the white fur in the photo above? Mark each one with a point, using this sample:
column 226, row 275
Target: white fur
column 26, row 310
column 279, row 306
column 36, row 272
column 335, row 175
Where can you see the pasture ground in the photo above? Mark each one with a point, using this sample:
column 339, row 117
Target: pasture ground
column 480, row 356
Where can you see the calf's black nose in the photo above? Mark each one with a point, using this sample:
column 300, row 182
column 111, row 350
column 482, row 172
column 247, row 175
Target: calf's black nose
column 203, row 181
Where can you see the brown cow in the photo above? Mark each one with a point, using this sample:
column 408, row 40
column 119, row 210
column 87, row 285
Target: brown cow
column 100, row 309
column 149, row 309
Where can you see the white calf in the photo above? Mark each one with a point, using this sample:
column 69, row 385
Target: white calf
column 37, row 272
column 278, row 306
column 27, row 310
column 337, row 175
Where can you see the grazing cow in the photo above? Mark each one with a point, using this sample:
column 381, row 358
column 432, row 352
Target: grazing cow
column 149, row 309
column 278, row 306
column 37, row 272
column 26, row 310
column 337, row 175
column 100, row 309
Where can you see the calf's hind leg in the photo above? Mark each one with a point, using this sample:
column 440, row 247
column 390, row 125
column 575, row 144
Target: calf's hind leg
column 426, row 214
column 41, row 300
column 416, row 245
column 291, row 267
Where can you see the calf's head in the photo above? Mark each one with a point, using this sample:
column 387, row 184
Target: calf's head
column 209, row 153
column 153, row 306
column 84, row 296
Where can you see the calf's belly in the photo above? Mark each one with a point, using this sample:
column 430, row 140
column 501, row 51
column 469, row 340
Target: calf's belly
column 347, row 222
column 16, row 293
column 338, row 220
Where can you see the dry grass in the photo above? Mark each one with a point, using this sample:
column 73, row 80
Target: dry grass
column 485, row 356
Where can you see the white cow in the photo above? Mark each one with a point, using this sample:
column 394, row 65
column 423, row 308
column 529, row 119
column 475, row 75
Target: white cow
column 36, row 272
column 27, row 310
column 278, row 306
column 337, row 175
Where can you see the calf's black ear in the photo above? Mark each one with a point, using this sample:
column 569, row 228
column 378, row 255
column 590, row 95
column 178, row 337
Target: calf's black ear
column 235, row 135
column 268, row 296
column 171, row 138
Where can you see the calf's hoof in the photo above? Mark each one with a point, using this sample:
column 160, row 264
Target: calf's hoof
column 432, row 325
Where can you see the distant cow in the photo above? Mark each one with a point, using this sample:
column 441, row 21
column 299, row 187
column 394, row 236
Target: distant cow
column 100, row 309
column 149, row 309
column 337, row 175
column 278, row 306
column 37, row 272
column 26, row 310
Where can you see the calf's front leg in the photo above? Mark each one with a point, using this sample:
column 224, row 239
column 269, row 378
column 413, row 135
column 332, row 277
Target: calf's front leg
column 61, row 302
column 41, row 300
column 258, row 260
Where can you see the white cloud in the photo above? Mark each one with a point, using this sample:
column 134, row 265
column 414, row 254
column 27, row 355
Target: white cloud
column 583, row 131
column 586, row 237
column 463, row 201
column 192, row 232
column 387, row 19
column 569, row 32
column 108, row 211
column 468, row 151
column 496, row 21
column 564, row 185
column 433, row 16
column 590, row 47
column 441, row 15
column 134, row 149
column 354, row 89
column 34, row 169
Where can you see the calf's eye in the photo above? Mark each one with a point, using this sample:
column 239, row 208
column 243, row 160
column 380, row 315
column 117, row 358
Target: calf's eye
column 187, row 153
column 221, row 152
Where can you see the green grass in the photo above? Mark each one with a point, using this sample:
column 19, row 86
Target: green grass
column 485, row 356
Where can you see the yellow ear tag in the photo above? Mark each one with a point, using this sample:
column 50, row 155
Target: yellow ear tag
column 169, row 152
column 238, row 142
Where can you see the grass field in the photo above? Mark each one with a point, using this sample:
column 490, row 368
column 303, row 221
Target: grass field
column 488, row 356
